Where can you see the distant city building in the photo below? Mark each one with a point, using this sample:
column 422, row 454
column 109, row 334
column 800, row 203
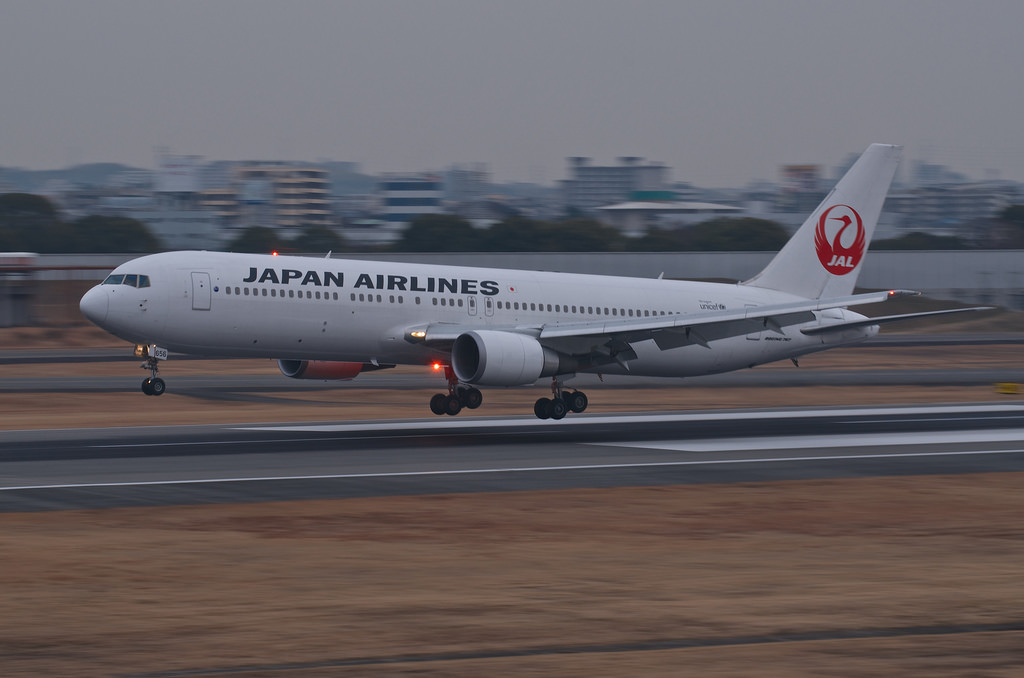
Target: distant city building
column 942, row 210
column 801, row 189
column 926, row 174
column 404, row 197
column 635, row 218
column 178, row 174
column 591, row 186
column 466, row 183
column 283, row 195
column 182, row 229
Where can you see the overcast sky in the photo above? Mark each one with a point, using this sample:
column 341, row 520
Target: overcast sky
column 723, row 91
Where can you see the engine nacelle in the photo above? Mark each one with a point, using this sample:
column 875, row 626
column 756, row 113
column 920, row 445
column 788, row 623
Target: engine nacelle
column 319, row 369
column 496, row 358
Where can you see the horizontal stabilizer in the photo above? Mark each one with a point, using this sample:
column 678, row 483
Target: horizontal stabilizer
column 838, row 327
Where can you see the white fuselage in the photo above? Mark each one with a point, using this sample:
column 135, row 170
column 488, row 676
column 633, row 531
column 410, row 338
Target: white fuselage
column 248, row 305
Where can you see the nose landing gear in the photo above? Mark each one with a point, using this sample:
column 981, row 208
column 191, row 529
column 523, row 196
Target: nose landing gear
column 152, row 385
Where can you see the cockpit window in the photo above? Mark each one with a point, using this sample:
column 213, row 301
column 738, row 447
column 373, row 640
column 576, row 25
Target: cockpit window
column 129, row 279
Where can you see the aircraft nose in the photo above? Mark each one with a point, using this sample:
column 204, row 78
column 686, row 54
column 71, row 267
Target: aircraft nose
column 94, row 305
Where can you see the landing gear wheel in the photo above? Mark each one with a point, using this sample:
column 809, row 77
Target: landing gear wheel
column 147, row 385
column 540, row 408
column 577, row 401
column 439, row 403
column 471, row 398
column 452, row 405
column 157, row 386
column 557, row 409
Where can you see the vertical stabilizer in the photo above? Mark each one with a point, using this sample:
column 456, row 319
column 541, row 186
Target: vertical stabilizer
column 824, row 257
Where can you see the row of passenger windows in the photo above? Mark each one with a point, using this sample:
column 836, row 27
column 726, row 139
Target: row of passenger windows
column 309, row 294
column 444, row 301
column 588, row 310
column 130, row 279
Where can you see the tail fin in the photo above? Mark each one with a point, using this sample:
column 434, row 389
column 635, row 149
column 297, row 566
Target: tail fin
column 824, row 257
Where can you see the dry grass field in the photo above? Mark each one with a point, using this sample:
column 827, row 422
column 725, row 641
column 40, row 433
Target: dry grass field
column 886, row 576
column 866, row 577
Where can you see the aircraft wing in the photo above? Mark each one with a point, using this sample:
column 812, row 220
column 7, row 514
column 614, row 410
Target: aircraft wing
column 667, row 331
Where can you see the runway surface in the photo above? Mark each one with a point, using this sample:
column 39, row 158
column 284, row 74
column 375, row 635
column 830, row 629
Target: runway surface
column 98, row 468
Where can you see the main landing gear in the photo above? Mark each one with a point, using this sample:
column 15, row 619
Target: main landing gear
column 561, row 402
column 458, row 396
column 152, row 385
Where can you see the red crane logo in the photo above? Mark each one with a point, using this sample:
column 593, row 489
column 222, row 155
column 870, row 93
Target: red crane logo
column 839, row 258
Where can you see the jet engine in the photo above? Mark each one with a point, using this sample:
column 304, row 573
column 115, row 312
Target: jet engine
column 319, row 369
column 496, row 358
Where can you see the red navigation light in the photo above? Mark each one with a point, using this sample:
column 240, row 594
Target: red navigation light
column 436, row 366
column 274, row 253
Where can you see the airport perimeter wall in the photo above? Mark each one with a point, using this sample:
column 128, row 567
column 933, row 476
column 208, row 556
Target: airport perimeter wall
column 970, row 277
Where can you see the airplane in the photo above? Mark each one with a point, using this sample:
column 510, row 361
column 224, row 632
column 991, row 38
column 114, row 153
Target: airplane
column 336, row 318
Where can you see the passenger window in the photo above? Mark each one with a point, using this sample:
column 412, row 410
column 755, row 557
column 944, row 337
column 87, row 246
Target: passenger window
column 246, row 291
column 227, row 290
column 237, row 291
column 273, row 293
column 114, row 279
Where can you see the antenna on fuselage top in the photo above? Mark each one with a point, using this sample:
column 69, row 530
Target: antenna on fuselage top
column 328, row 254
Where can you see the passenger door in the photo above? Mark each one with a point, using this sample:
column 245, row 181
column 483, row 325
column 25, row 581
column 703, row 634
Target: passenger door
column 201, row 293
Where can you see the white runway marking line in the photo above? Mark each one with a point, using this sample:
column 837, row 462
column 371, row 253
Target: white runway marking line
column 590, row 420
column 525, row 469
column 822, row 441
